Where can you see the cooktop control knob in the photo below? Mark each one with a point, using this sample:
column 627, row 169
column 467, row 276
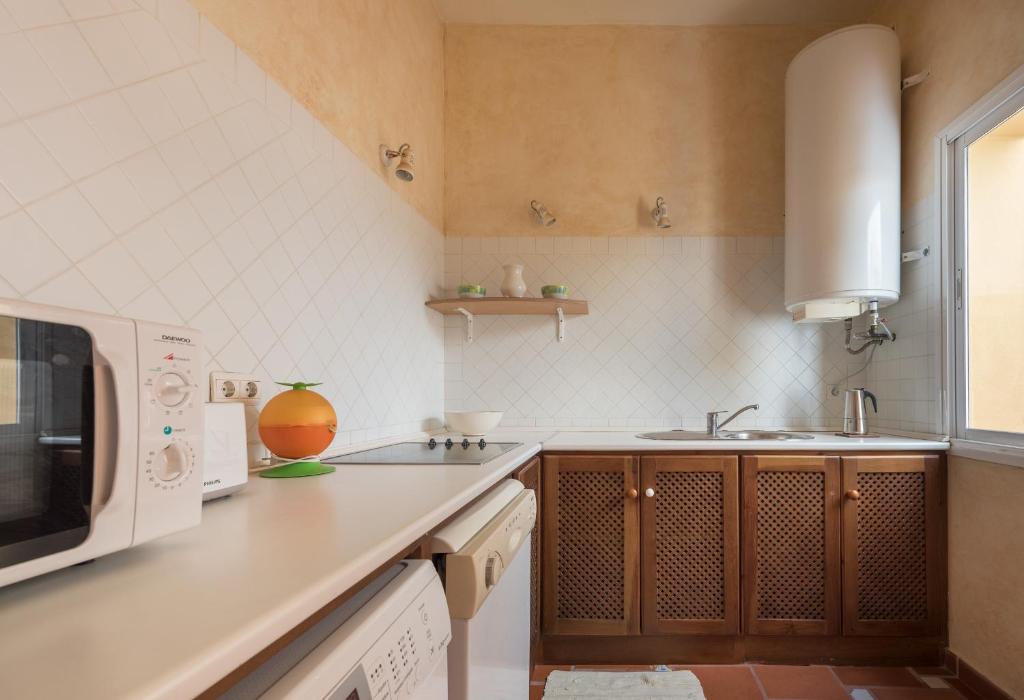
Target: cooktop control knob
column 448, row 444
column 465, row 443
column 173, row 461
column 172, row 389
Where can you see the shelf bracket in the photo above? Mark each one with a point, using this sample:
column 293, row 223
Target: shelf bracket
column 469, row 324
column 560, row 320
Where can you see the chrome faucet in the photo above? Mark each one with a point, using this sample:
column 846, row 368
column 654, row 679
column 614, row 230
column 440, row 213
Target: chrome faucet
column 714, row 426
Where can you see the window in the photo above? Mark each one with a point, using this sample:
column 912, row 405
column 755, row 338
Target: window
column 988, row 277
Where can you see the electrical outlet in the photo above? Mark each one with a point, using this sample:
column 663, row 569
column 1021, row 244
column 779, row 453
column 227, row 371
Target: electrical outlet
column 232, row 386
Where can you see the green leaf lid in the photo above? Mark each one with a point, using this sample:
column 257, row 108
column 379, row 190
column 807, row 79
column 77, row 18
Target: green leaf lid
column 299, row 386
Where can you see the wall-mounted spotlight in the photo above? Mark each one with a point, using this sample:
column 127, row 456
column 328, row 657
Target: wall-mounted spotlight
column 406, row 160
column 660, row 214
column 544, row 217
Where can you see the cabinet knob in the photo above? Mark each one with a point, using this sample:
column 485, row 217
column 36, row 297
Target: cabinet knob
column 853, row 495
column 649, row 493
column 632, row 493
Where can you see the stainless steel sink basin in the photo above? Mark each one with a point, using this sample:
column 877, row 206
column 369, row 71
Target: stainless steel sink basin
column 764, row 435
column 724, row 435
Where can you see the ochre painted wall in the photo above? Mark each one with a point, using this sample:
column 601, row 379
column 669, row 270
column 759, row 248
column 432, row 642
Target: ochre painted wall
column 597, row 121
column 986, row 569
column 371, row 70
column 968, row 47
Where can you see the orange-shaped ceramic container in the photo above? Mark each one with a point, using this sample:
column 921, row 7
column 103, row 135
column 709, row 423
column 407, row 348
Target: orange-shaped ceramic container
column 298, row 423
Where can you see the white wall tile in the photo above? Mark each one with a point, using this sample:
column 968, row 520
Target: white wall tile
column 7, row 23
column 118, row 129
column 71, row 223
column 71, row 289
column 251, row 78
column 27, row 170
column 181, row 19
column 184, row 97
column 152, row 41
column 212, row 147
column 114, row 199
column 217, row 49
column 86, row 9
column 152, row 248
column 30, row 258
column 113, row 45
column 185, row 226
column 185, row 290
column 115, row 274
column 26, row 82
column 7, row 202
column 68, row 136
column 184, row 161
column 152, row 110
column 152, row 179
column 71, row 60
column 36, row 13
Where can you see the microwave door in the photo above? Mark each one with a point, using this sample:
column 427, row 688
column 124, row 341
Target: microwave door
column 46, row 438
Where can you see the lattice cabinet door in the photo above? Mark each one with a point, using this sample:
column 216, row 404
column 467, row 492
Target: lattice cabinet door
column 529, row 475
column 690, row 545
column 591, row 541
column 894, row 545
column 791, row 552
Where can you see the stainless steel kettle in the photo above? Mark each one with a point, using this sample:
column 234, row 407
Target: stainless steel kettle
column 855, row 413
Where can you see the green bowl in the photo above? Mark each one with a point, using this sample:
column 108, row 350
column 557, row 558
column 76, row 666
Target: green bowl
column 472, row 291
column 555, row 291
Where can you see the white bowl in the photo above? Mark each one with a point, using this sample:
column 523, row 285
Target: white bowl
column 472, row 423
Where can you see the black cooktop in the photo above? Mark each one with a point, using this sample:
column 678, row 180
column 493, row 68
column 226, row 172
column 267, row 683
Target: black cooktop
column 447, row 451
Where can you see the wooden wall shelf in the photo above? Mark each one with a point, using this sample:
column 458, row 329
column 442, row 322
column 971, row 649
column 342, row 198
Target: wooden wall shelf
column 504, row 306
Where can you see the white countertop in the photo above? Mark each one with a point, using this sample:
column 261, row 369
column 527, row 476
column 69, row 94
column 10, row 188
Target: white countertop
column 827, row 442
column 172, row 617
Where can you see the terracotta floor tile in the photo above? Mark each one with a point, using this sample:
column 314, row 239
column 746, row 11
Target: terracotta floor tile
column 541, row 671
column 614, row 667
column 725, row 682
column 916, row 694
column 800, row 682
column 867, row 676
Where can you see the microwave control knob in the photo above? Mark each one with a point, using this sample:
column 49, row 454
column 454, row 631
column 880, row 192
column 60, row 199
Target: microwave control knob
column 172, row 462
column 172, row 389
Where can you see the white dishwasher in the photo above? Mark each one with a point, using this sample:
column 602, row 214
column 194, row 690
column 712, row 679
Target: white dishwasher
column 389, row 641
column 484, row 558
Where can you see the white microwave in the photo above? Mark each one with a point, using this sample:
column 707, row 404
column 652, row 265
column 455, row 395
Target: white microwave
column 101, row 428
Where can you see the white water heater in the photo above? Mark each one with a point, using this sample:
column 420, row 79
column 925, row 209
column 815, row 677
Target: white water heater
column 843, row 174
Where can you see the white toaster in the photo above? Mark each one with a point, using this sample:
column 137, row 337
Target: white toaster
column 225, row 458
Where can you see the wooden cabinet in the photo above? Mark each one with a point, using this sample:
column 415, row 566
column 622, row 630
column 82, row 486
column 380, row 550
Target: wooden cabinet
column 689, row 545
column 530, row 476
column 791, row 545
column 894, row 533
column 719, row 558
column 590, row 549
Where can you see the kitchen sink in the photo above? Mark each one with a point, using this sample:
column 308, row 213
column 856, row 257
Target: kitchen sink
column 724, row 435
column 764, row 435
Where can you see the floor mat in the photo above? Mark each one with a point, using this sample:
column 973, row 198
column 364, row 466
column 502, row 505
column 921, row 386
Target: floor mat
column 636, row 685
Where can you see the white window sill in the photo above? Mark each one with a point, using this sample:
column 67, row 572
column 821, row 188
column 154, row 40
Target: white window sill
column 1008, row 455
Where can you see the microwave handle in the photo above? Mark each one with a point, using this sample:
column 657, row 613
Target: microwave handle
column 106, row 430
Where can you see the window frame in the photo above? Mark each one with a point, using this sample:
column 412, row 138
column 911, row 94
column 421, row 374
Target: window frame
column 1004, row 101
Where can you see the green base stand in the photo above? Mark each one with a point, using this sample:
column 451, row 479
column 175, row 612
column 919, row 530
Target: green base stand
column 297, row 469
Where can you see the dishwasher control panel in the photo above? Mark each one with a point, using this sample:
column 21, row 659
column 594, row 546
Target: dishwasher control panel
column 474, row 570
